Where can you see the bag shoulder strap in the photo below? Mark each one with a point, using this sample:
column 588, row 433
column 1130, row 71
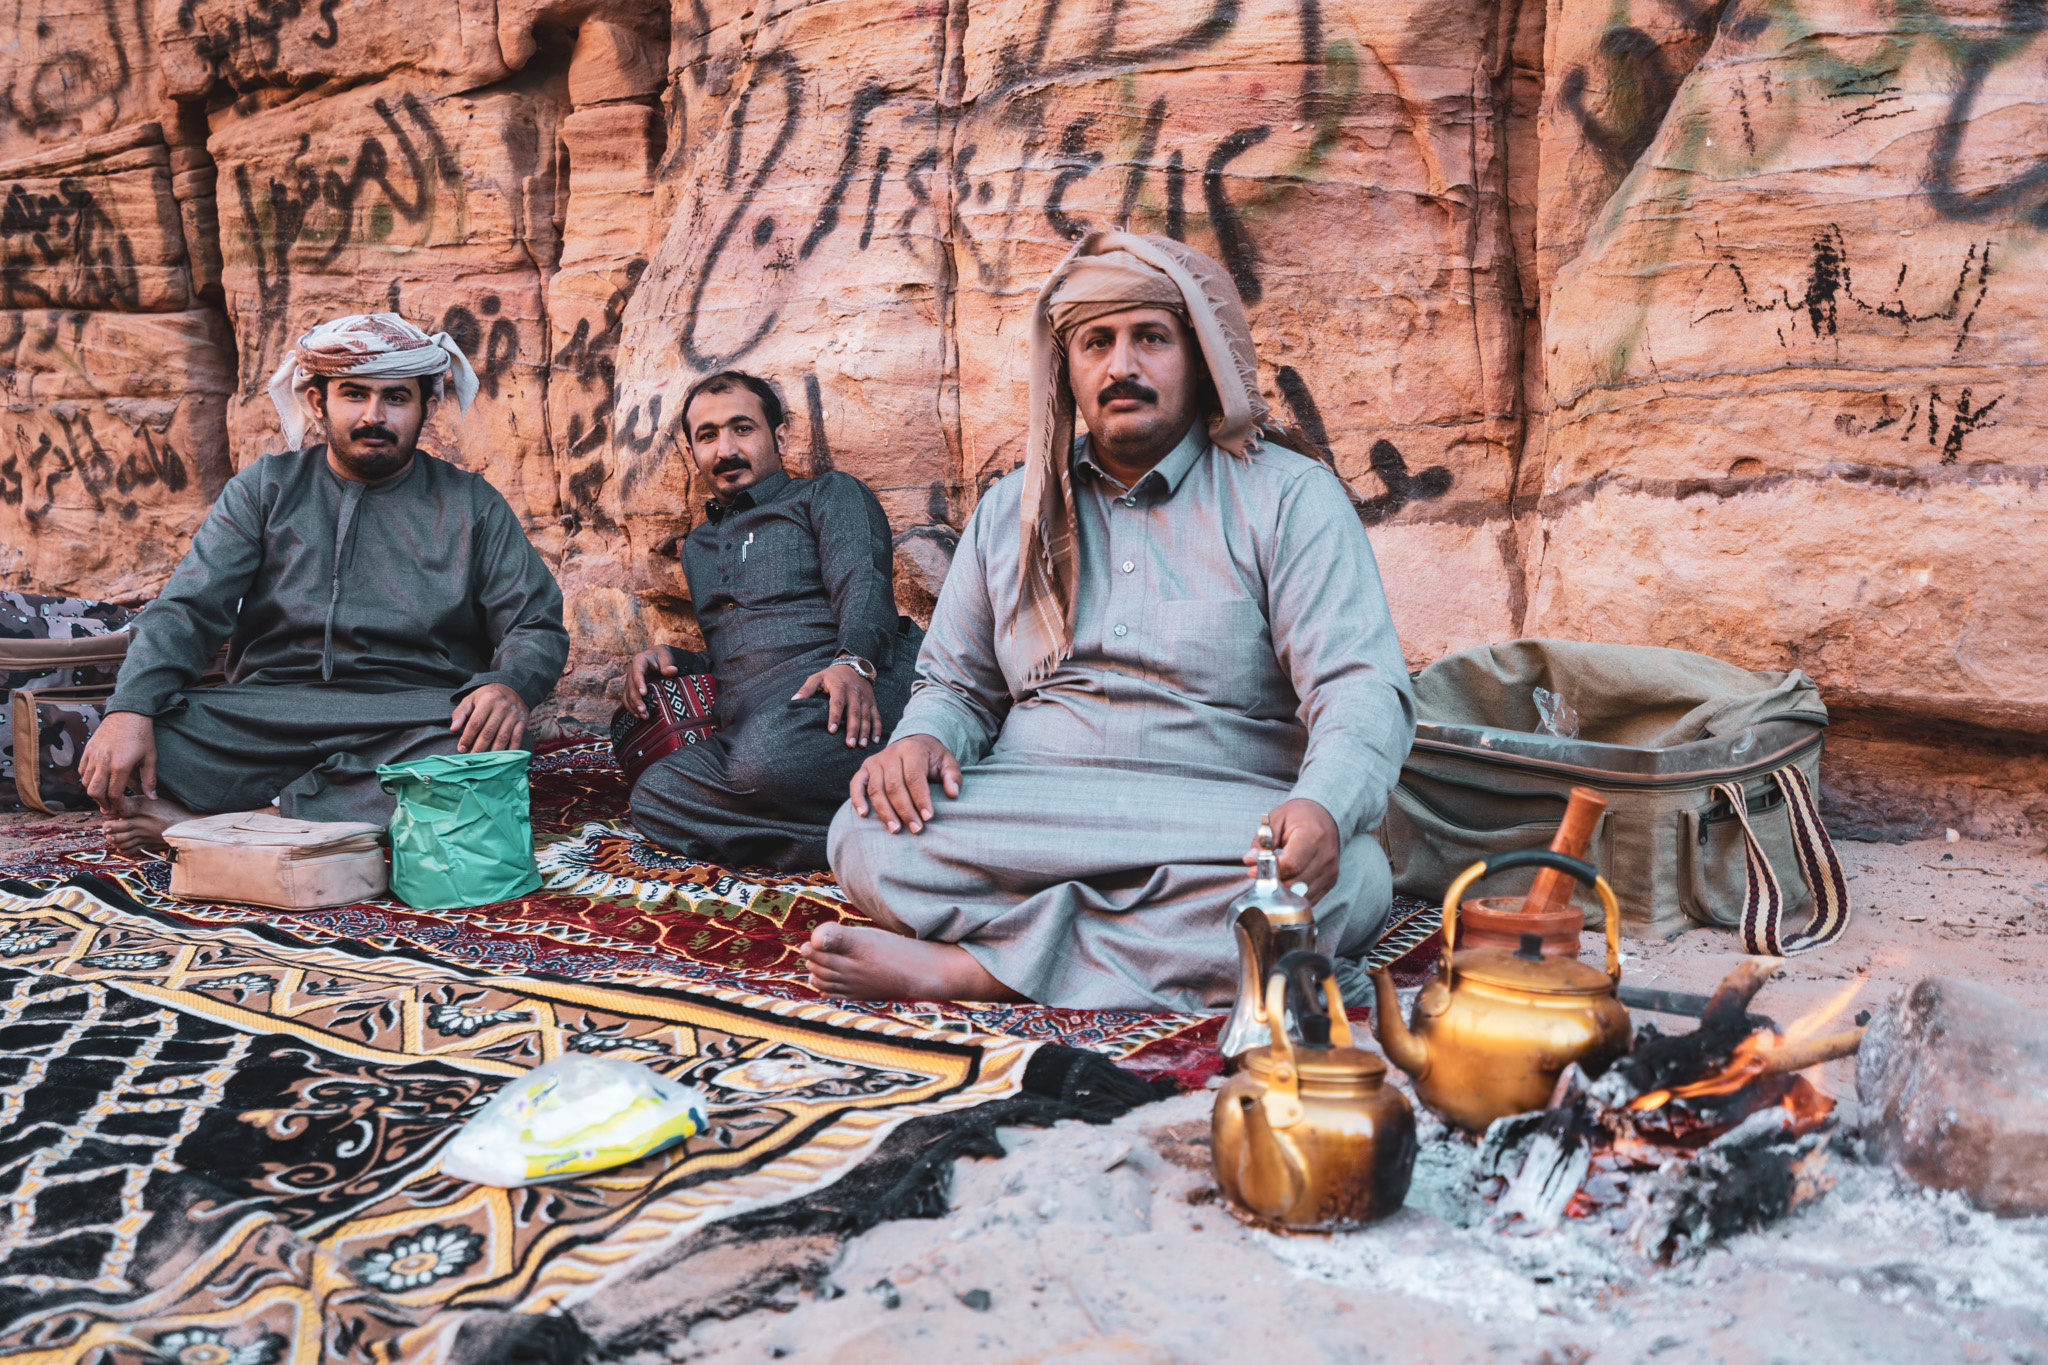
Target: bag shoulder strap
column 1763, row 904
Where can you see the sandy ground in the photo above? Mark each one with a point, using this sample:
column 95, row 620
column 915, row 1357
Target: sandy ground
column 1109, row 1245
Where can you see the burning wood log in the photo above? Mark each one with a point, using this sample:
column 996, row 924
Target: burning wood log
column 1687, row 1139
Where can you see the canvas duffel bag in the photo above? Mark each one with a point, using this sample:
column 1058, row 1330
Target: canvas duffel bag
column 1710, row 773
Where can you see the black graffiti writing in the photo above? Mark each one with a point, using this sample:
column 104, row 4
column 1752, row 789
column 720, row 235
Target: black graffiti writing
column 275, row 222
column 591, row 360
column 1402, row 487
column 1016, row 68
column 78, row 454
column 2021, row 198
column 1639, row 79
column 1924, row 421
column 492, row 358
column 775, row 65
column 1075, row 161
column 1232, row 242
column 867, row 227
column 62, row 250
column 255, row 30
column 865, row 103
column 71, row 80
column 814, row 408
column 1830, row 285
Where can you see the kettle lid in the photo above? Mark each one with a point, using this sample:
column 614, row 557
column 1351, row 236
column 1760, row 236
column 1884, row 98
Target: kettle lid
column 1327, row 1064
column 1280, row 903
column 1538, row 976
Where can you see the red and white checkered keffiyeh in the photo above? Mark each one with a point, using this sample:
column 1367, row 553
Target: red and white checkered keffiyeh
column 369, row 346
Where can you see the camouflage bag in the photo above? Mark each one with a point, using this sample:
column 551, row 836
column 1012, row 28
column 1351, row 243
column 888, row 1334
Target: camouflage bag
column 51, row 726
column 51, row 643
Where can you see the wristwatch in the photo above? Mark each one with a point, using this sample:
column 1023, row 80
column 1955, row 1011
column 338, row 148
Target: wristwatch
column 858, row 665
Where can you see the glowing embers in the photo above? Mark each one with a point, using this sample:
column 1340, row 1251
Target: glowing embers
column 1686, row 1139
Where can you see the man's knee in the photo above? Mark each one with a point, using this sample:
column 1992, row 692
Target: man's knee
column 791, row 763
column 846, row 847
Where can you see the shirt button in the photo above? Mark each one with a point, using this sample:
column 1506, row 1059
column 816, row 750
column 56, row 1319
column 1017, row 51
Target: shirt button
column 1128, row 502
column 1123, row 630
column 1129, row 565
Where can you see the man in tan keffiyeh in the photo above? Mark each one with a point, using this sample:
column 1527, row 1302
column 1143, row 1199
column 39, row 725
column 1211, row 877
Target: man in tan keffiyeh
column 1153, row 639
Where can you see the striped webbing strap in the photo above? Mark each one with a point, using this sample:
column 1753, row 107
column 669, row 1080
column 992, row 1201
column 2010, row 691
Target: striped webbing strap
column 1763, row 905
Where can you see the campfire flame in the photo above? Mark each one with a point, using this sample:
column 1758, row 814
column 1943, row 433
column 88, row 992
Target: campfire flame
column 1765, row 1053
column 1731, row 1137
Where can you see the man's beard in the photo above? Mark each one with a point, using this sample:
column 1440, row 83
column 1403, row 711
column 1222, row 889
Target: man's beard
column 376, row 462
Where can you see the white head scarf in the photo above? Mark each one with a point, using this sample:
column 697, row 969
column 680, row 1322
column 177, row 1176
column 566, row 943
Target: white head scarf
column 1106, row 273
column 368, row 346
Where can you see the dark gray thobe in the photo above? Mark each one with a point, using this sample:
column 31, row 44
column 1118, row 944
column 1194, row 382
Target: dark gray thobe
column 794, row 573
column 1232, row 650
column 356, row 617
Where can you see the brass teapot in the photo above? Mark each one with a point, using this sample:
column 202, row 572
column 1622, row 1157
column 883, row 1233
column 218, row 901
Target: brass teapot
column 1270, row 920
column 1491, row 1034
column 1312, row 1137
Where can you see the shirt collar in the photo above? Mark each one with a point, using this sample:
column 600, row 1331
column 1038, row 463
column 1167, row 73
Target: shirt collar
column 1163, row 480
column 768, row 490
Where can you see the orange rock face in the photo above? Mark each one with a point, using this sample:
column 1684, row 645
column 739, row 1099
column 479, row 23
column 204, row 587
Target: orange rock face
column 1669, row 321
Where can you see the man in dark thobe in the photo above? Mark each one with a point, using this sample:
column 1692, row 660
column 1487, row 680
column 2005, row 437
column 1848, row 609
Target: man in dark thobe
column 791, row 581
column 378, row 604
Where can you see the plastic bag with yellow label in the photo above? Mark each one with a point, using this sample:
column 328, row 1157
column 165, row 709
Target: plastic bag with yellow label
column 573, row 1116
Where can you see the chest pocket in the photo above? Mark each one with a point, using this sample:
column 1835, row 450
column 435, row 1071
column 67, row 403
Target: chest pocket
column 1218, row 652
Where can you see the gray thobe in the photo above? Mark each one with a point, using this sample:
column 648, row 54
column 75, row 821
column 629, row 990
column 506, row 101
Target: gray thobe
column 792, row 574
column 1232, row 650
column 356, row 617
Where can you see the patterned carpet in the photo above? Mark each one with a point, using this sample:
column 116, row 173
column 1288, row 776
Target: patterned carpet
column 219, row 1141
column 614, row 908
column 220, row 1125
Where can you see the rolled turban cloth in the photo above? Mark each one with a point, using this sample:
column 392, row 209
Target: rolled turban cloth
column 1106, row 273
column 365, row 346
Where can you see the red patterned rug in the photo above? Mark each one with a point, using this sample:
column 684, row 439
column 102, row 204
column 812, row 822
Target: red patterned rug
column 615, row 908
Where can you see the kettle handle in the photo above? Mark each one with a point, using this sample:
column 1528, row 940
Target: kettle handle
column 1283, row 1093
column 1319, row 1005
column 1535, row 857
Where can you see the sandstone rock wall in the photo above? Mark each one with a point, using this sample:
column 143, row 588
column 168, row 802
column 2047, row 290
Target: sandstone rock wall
column 1698, row 323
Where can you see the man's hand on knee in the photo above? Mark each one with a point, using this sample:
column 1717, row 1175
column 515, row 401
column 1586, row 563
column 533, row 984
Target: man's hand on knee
column 121, row 754
column 492, row 717
column 1306, row 838
column 648, row 665
column 853, row 704
column 896, row 783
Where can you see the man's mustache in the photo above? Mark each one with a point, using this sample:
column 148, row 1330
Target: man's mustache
column 731, row 464
column 373, row 432
column 1126, row 388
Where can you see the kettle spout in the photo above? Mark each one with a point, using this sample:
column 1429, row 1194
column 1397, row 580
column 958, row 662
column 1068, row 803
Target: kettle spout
column 1402, row 1047
column 1270, row 1175
column 1246, row 1026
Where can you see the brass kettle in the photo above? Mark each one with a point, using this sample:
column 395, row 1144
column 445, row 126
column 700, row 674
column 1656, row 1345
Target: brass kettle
column 1312, row 1137
column 1270, row 920
column 1491, row 1034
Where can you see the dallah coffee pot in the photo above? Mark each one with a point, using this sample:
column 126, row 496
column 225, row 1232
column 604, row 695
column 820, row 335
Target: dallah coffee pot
column 1491, row 1034
column 1311, row 1137
column 1270, row 921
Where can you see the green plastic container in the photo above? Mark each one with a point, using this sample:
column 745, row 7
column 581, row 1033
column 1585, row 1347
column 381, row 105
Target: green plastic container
column 463, row 831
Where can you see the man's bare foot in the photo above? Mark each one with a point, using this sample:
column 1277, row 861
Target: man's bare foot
column 860, row 963
column 141, row 830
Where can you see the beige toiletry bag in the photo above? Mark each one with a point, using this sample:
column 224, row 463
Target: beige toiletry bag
column 260, row 859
